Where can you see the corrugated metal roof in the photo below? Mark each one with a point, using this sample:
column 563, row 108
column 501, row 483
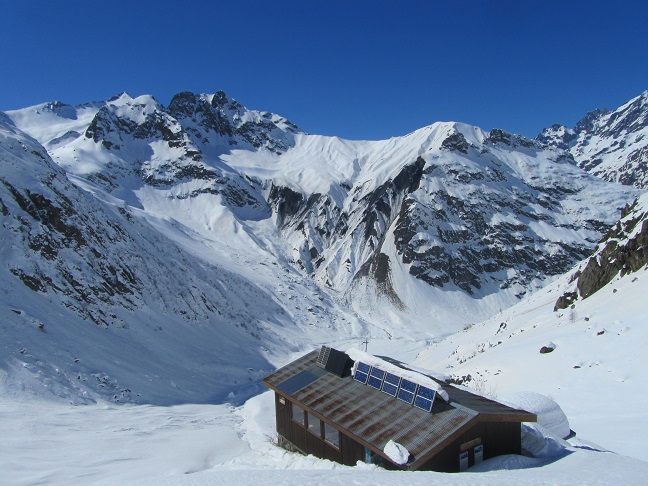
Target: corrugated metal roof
column 373, row 417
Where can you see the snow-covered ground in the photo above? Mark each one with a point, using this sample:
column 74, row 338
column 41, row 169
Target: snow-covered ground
column 55, row 443
column 596, row 374
column 597, row 371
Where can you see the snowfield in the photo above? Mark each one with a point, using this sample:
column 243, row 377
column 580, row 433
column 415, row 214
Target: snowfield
column 54, row 443
column 597, row 379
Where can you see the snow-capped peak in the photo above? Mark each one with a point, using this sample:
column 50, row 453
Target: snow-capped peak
column 612, row 145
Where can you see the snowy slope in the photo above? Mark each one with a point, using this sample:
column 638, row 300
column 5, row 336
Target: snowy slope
column 102, row 300
column 216, row 444
column 612, row 145
column 434, row 217
column 596, row 371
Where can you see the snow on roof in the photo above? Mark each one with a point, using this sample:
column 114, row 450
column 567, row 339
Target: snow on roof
column 356, row 355
column 549, row 413
column 396, row 452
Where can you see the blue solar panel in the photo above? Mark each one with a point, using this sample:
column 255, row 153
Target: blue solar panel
column 390, row 385
column 407, row 385
column 425, row 392
column 378, row 373
column 389, row 389
column 406, row 396
column 376, row 378
column 364, row 367
column 374, row 382
column 424, row 398
column 407, row 391
column 392, row 379
column 423, row 403
column 361, row 377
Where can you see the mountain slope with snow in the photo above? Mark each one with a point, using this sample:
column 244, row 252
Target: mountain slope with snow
column 102, row 300
column 590, row 357
column 431, row 216
column 182, row 217
column 175, row 255
column 612, row 145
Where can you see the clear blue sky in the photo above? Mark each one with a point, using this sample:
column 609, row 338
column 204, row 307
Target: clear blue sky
column 357, row 69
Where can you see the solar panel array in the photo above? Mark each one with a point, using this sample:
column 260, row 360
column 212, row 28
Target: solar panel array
column 406, row 390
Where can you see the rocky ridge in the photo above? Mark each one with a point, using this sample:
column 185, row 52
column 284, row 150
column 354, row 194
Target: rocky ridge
column 612, row 145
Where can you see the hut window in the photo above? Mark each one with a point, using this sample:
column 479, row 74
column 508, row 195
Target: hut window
column 298, row 415
column 331, row 435
column 314, row 424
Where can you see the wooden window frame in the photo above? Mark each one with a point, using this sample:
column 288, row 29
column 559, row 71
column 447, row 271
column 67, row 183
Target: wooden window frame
column 326, row 439
column 303, row 415
column 316, row 430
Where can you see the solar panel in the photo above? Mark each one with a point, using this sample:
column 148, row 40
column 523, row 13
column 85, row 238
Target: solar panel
column 407, row 391
column 423, row 403
column 376, row 378
column 323, row 356
column 390, row 385
column 362, row 372
column 338, row 363
column 364, row 367
column 426, row 392
column 424, row 398
column 393, row 385
column 301, row 380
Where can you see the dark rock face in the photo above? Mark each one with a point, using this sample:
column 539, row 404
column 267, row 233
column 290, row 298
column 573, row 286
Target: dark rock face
column 546, row 349
column 231, row 121
column 285, row 202
column 499, row 136
column 71, row 253
column 450, row 240
column 623, row 250
column 557, row 136
column 619, row 254
column 379, row 270
column 457, row 142
column 565, row 300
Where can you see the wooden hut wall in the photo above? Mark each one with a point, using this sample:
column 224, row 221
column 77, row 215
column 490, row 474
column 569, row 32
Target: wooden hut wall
column 497, row 438
column 297, row 438
column 502, row 438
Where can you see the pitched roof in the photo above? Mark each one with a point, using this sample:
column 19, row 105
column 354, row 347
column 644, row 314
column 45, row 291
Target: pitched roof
column 372, row 417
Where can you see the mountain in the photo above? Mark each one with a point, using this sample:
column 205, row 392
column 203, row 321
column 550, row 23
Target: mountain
column 211, row 241
column 612, row 145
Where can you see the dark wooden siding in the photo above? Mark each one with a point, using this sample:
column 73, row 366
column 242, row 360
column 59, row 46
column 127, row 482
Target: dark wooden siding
column 497, row 438
column 503, row 438
column 351, row 451
column 297, row 438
